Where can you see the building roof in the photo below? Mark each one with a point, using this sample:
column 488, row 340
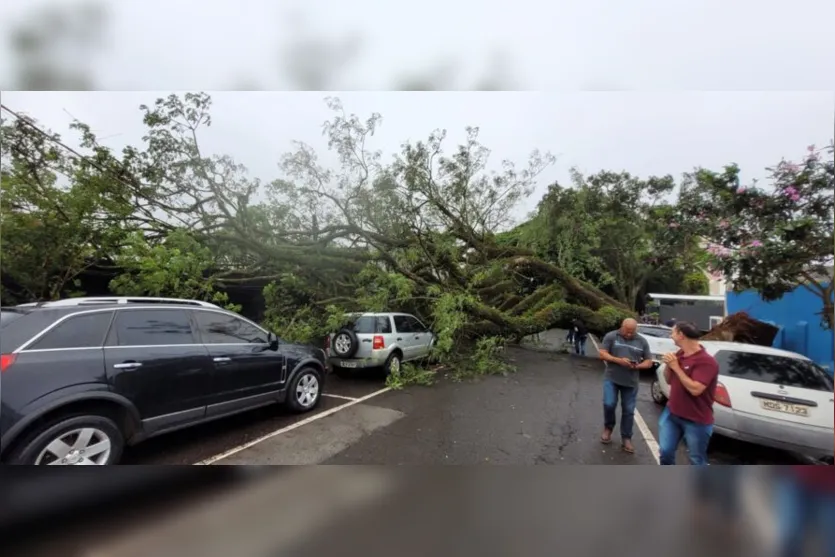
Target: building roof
column 687, row 297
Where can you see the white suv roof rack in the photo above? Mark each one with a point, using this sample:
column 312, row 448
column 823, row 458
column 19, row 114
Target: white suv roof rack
column 70, row 302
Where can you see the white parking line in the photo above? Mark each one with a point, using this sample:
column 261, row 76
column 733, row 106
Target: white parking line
column 339, row 396
column 325, row 414
column 654, row 449
column 652, row 444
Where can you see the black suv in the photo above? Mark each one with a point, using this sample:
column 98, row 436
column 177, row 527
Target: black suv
column 83, row 377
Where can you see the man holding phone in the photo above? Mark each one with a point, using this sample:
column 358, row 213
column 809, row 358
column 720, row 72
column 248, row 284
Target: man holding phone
column 625, row 353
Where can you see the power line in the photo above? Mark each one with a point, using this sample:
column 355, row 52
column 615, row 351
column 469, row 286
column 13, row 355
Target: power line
column 28, row 122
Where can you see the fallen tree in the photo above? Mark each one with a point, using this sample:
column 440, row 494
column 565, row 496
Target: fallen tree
column 417, row 233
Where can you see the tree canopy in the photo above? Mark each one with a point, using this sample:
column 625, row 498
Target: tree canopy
column 770, row 237
column 428, row 230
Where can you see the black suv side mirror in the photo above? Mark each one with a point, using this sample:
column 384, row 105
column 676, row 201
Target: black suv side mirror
column 273, row 340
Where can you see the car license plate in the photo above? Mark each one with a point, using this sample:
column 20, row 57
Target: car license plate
column 348, row 364
column 785, row 407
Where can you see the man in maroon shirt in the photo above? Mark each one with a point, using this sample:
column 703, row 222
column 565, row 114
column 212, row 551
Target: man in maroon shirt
column 692, row 374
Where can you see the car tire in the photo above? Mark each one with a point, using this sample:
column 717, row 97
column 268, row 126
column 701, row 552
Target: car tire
column 305, row 384
column 656, row 393
column 81, row 434
column 345, row 343
column 393, row 363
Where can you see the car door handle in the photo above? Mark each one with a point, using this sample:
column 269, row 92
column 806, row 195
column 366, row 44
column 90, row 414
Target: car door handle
column 222, row 359
column 399, row 338
column 366, row 340
column 127, row 365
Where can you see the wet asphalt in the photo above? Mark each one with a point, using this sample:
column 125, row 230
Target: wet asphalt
column 548, row 412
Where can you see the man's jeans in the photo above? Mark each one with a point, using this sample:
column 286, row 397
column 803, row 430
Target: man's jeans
column 671, row 429
column 580, row 345
column 801, row 511
column 628, row 397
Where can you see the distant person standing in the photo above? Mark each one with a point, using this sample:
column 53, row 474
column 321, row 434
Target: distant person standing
column 625, row 353
column 692, row 374
column 671, row 323
column 581, row 334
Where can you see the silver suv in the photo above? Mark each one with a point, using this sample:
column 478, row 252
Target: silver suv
column 378, row 340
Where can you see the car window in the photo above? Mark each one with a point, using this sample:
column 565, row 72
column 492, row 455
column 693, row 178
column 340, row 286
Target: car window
column 223, row 328
column 772, row 369
column 79, row 331
column 364, row 325
column 383, row 325
column 403, row 324
column 656, row 332
column 152, row 327
column 416, row 326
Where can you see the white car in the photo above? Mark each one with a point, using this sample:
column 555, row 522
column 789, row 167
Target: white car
column 658, row 337
column 769, row 397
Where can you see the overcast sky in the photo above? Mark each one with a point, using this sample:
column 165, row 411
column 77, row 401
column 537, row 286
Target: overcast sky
column 555, row 44
column 644, row 133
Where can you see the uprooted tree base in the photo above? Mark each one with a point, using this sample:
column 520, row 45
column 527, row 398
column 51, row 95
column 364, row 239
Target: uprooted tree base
column 741, row 327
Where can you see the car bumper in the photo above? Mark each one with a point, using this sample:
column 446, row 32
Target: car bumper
column 779, row 434
column 358, row 363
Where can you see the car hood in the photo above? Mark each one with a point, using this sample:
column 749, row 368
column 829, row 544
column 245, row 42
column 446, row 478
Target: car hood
column 661, row 345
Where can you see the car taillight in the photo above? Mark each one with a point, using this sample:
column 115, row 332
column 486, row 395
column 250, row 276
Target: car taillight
column 721, row 396
column 6, row 360
column 379, row 343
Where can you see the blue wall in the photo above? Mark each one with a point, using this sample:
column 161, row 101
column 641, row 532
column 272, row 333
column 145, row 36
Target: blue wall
column 794, row 313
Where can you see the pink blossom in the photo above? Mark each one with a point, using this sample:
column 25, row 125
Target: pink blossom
column 674, row 225
column 811, row 148
column 755, row 244
column 724, row 223
column 741, row 190
column 792, row 193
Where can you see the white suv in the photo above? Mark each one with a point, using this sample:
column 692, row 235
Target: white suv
column 383, row 340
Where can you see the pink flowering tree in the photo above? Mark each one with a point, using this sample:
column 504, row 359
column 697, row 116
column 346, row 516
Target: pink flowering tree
column 770, row 237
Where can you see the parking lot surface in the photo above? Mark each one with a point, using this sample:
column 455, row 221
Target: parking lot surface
column 548, row 412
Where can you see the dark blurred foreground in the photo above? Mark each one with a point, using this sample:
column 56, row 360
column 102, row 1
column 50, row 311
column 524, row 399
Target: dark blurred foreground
column 347, row 510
